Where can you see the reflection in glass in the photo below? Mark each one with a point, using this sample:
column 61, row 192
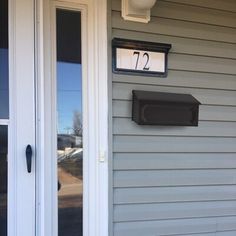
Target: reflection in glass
column 69, row 124
column 4, row 96
column 3, row 180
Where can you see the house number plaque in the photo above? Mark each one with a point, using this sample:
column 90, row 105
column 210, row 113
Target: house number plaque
column 139, row 57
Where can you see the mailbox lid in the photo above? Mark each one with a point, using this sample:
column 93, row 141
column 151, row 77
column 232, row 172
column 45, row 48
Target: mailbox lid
column 161, row 97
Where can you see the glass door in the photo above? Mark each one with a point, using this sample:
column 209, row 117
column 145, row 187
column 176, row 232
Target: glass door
column 69, row 122
column 75, row 120
column 3, row 179
column 4, row 114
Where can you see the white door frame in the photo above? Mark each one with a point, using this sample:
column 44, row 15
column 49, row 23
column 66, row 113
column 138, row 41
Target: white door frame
column 95, row 111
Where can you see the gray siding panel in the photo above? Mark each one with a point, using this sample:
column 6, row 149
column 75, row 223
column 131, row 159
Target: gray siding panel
column 154, row 178
column 176, row 10
column 124, row 126
column 178, row 180
column 179, row 28
column 207, row 113
column 175, row 227
column 183, row 45
column 173, row 194
column 163, row 211
column 183, row 79
column 225, row 5
column 171, row 161
column 205, row 96
column 228, row 233
column 148, row 144
column 201, row 64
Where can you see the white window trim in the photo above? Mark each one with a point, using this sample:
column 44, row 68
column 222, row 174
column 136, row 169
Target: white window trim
column 96, row 192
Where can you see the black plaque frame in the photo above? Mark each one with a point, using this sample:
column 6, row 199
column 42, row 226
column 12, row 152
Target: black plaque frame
column 139, row 45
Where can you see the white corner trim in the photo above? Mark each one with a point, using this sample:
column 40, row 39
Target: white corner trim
column 101, row 76
column 98, row 125
column 137, row 10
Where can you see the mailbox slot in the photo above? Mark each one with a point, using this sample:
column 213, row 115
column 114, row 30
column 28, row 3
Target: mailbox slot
column 157, row 108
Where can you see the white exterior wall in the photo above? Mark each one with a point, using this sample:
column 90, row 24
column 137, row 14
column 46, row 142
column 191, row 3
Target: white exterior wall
column 179, row 180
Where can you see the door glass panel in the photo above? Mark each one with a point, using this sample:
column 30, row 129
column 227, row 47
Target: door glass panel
column 4, row 113
column 69, row 123
column 3, row 180
column 4, row 97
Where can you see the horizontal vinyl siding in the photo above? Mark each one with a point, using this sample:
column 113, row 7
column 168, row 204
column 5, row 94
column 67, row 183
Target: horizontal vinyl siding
column 150, row 144
column 184, row 45
column 207, row 112
column 179, row 180
column 173, row 194
column 222, row 5
column 163, row 211
column 156, row 178
column 172, row 27
column 175, row 10
column 123, row 126
column 172, row 161
column 190, row 226
column 183, row 79
column 205, row 96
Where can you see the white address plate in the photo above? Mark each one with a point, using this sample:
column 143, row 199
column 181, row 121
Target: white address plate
column 140, row 60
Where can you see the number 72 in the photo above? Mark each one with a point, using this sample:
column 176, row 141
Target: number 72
column 144, row 55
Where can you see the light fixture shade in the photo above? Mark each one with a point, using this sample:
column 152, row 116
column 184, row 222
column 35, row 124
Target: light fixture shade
column 142, row 4
column 137, row 10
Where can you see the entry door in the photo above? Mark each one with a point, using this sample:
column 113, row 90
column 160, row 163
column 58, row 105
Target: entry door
column 17, row 118
column 72, row 95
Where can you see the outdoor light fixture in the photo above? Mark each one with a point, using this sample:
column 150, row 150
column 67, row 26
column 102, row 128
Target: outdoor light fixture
column 137, row 10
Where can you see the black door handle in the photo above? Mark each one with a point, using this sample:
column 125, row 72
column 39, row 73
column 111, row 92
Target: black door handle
column 28, row 154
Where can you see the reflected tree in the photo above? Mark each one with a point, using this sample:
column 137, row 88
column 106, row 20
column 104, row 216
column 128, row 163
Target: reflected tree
column 77, row 124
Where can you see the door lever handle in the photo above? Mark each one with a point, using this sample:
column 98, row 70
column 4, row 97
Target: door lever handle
column 28, row 154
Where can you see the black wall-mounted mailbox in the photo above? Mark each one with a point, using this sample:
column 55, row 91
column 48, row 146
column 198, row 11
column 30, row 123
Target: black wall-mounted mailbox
column 156, row 108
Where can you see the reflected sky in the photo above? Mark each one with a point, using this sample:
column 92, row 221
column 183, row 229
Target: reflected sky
column 70, row 149
column 69, row 89
column 4, row 91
